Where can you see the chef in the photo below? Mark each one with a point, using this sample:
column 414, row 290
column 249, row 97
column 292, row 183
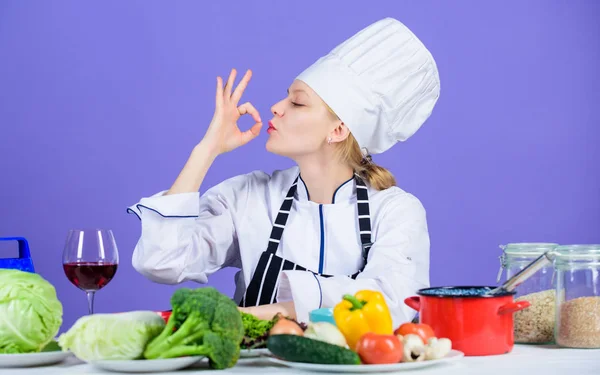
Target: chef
column 333, row 224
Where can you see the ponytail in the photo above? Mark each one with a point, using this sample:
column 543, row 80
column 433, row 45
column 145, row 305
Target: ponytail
column 376, row 176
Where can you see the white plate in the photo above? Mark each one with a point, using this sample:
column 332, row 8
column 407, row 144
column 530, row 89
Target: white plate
column 253, row 353
column 32, row 359
column 146, row 365
column 452, row 356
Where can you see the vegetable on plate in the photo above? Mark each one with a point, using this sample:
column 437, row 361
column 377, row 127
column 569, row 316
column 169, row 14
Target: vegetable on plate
column 362, row 313
column 437, row 348
column 296, row 348
column 256, row 331
column 30, row 312
column 327, row 332
column 119, row 336
column 203, row 322
column 362, row 334
column 379, row 349
column 285, row 326
column 424, row 331
column 52, row 346
column 414, row 348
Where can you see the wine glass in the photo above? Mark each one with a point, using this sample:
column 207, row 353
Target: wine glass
column 90, row 260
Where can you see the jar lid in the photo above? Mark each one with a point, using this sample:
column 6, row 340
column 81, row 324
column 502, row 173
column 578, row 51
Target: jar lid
column 528, row 248
column 583, row 251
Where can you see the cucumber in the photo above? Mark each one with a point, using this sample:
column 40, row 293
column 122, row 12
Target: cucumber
column 296, row 348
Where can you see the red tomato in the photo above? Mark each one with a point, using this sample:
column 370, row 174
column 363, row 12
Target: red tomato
column 377, row 349
column 422, row 330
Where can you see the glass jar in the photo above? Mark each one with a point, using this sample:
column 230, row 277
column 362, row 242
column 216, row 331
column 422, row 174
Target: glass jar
column 535, row 324
column 578, row 296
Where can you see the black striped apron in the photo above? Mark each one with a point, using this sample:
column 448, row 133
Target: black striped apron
column 262, row 289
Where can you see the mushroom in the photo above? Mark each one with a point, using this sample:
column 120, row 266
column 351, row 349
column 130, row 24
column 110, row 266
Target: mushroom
column 413, row 348
column 437, row 348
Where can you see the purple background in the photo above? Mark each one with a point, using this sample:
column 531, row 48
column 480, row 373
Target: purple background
column 100, row 105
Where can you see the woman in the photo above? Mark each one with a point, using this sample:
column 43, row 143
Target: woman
column 347, row 227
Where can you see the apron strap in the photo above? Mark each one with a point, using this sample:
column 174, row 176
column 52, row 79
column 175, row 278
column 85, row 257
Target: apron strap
column 364, row 219
column 281, row 219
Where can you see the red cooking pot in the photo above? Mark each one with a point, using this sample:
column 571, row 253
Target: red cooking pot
column 165, row 315
column 476, row 323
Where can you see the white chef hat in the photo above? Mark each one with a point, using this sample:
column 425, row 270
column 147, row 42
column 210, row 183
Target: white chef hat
column 382, row 82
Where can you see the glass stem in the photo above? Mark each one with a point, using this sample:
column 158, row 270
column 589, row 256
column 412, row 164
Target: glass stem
column 90, row 298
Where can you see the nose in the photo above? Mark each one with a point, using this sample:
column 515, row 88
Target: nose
column 277, row 109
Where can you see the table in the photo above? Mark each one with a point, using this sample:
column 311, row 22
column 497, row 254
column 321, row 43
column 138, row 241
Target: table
column 524, row 359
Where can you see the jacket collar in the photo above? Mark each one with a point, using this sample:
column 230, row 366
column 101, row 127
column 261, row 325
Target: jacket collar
column 344, row 193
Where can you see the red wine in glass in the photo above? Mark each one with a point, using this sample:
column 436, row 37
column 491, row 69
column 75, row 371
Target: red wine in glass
column 88, row 275
column 90, row 260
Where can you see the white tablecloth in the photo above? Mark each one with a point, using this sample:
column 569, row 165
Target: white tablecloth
column 524, row 359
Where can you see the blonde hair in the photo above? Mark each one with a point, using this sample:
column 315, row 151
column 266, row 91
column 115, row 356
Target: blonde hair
column 376, row 176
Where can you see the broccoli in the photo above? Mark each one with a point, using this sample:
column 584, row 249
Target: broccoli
column 203, row 322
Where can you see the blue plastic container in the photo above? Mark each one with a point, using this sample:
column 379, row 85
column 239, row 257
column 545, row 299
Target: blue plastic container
column 322, row 315
column 24, row 261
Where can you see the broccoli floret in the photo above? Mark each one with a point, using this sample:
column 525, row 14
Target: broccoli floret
column 203, row 322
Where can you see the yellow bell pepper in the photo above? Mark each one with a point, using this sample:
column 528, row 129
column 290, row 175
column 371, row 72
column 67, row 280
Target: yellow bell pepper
column 364, row 312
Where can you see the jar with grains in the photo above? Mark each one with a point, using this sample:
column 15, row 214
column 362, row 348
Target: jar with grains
column 577, row 296
column 535, row 324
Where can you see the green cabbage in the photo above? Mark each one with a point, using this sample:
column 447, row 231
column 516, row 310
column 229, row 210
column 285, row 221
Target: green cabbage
column 30, row 312
column 112, row 336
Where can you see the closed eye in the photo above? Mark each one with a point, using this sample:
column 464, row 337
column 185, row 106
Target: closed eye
column 297, row 104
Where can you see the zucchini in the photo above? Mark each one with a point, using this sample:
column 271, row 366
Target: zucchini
column 296, row 348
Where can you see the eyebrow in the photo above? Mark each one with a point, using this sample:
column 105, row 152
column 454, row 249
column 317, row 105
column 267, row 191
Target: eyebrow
column 297, row 90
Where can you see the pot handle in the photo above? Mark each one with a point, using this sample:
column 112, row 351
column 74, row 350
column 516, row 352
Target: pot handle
column 413, row 302
column 513, row 307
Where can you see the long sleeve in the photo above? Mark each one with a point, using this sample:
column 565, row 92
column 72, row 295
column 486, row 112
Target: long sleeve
column 189, row 237
column 397, row 266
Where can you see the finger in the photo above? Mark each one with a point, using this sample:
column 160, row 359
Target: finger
column 239, row 90
column 219, row 95
column 251, row 133
column 248, row 108
column 229, row 85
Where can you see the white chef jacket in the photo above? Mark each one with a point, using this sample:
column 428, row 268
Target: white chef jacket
column 188, row 236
